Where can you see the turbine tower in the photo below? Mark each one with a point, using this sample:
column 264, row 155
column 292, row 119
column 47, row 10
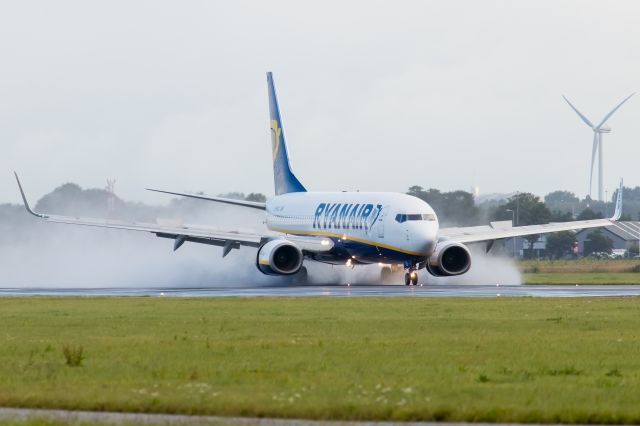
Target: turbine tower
column 597, row 142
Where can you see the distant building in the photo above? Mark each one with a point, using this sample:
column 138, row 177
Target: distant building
column 624, row 235
column 520, row 245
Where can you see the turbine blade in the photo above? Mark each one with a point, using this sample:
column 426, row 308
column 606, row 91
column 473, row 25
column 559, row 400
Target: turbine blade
column 594, row 150
column 585, row 119
column 606, row 117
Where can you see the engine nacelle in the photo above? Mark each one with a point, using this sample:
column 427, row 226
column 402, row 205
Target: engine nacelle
column 449, row 258
column 279, row 257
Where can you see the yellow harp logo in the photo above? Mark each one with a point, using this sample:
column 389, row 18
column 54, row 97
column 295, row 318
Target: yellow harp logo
column 275, row 138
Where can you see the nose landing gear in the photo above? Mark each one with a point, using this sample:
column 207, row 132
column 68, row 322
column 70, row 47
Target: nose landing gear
column 411, row 278
column 411, row 272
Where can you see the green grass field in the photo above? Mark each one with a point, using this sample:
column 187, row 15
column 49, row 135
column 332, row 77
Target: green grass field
column 582, row 265
column 582, row 278
column 580, row 271
column 526, row 360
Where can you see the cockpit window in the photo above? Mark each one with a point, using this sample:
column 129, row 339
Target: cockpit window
column 401, row 218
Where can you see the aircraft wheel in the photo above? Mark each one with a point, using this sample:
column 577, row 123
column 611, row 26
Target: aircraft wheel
column 414, row 278
column 385, row 274
column 407, row 278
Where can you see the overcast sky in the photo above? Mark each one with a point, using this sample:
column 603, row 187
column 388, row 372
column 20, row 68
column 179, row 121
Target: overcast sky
column 375, row 95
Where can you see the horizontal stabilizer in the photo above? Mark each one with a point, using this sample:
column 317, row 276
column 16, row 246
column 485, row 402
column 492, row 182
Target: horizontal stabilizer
column 243, row 203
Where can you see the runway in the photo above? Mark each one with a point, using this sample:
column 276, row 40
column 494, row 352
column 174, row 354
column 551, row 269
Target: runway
column 72, row 417
column 345, row 291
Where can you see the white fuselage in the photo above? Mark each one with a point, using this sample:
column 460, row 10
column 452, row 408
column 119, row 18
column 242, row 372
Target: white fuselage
column 366, row 227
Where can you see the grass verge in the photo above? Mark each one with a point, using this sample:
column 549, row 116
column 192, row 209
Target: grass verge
column 582, row 265
column 507, row 360
column 580, row 271
column 583, row 278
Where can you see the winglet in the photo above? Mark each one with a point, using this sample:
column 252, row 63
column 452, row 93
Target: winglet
column 618, row 212
column 24, row 198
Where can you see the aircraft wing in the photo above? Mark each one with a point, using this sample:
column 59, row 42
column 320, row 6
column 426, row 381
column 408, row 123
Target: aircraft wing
column 182, row 233
column 500, row 230
column 474, row 234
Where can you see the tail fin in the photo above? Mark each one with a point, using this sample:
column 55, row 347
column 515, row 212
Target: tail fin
column 284, row 179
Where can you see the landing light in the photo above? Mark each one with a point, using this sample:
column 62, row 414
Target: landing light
column 324, row 242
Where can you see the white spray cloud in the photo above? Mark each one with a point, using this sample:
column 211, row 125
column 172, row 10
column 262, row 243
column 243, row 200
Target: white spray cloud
column 69, row 256
column 38, row 254
column 486, row 269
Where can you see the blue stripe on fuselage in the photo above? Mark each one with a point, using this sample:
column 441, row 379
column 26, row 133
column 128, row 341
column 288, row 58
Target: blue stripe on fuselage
column 369, row 253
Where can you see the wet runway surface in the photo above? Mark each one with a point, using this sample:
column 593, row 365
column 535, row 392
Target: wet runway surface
column 345, row 291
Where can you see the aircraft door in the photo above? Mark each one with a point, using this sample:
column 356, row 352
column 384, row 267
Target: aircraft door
column 380, row 222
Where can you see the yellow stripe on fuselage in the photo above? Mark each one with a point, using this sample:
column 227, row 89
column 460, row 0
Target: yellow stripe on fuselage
column 264, row 262
column 348, row 238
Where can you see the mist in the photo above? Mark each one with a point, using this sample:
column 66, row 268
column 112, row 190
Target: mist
column 38, row 254
column 486, row 269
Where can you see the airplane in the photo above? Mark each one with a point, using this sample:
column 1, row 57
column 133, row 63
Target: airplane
column 340, row 228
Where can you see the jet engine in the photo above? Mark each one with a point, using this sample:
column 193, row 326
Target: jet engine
column 279, row 257
column 449, row 258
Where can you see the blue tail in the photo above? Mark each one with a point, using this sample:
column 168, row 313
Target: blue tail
column 284, row 179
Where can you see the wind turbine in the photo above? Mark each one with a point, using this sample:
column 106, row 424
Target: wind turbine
column 597, row 141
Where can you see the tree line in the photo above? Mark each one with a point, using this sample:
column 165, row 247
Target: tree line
column 459, row 208
column 454, row 208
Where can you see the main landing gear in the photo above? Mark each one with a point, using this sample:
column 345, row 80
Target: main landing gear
column 411, row 278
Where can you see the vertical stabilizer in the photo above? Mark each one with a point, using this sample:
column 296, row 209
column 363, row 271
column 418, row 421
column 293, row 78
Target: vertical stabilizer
column 284, row 179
